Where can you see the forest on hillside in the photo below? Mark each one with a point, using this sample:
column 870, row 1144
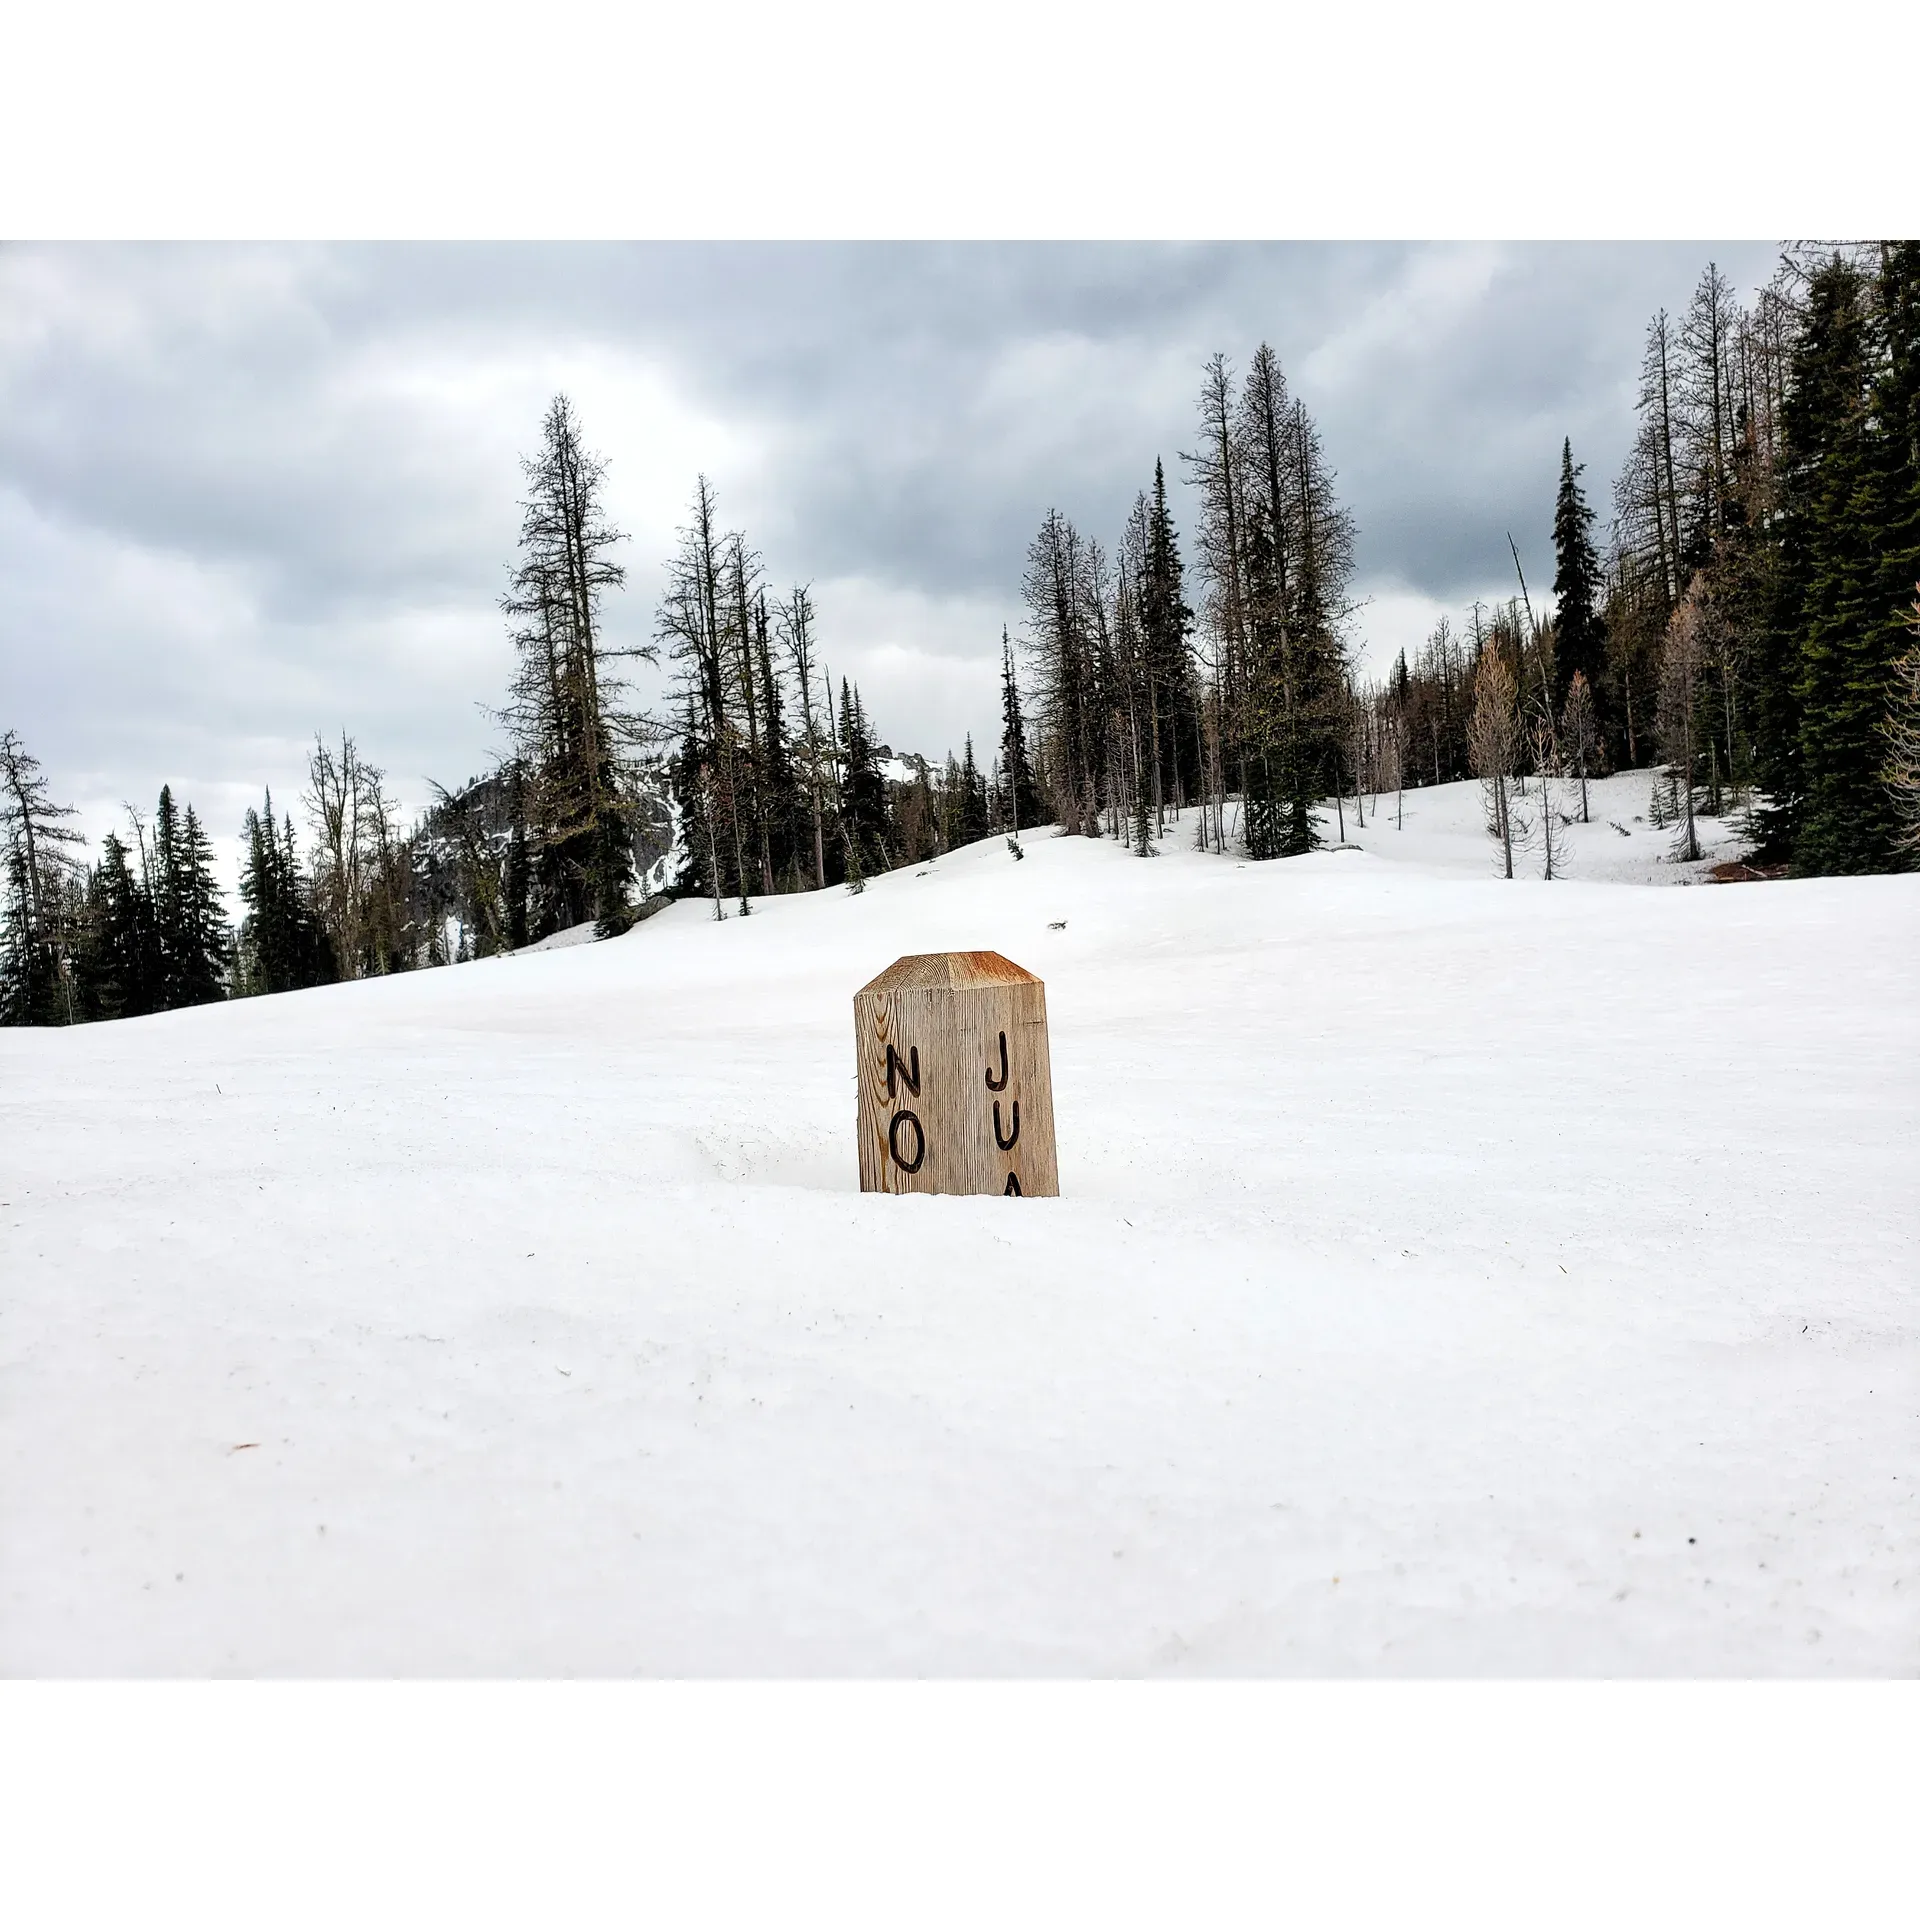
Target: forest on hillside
column 1749, row 624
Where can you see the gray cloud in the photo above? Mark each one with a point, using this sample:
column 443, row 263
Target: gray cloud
column 250, row 491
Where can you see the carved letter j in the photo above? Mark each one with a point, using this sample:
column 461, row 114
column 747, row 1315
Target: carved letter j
column 999, row 1086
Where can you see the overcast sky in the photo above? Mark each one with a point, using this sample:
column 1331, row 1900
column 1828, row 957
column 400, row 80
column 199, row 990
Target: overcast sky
column 247, row 492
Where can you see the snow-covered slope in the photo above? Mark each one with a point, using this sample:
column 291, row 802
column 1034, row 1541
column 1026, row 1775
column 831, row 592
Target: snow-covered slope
column 1452, row 1277
column 1444, row 828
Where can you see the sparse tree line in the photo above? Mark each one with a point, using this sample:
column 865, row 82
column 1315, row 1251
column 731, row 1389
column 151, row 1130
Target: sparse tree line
column 779, row 782
column 1148, row 707
column 1751, row 628
column 1766, row 559
column 772, row 785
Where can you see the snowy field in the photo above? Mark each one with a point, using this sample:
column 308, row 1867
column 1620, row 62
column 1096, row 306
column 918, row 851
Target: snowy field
column 1452, row 1277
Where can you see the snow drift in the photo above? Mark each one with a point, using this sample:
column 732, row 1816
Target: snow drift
column 1452, row 1277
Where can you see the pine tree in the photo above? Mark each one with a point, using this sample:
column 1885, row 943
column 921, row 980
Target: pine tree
column 693, row 800
column 1705, row 370
column 794, row 620
column 692, row 620
column 1166, row 621
column 1216, row 469
column 200, row 941
column 1580, row 638
column 564, row 707
column 32, row 992
column 1844, row 821
column 787, row 803
column 863, row 791
column 189, row 914
column 515, row 873
column 1060, row 641
column 1903, row 735
column 169, row 906
column 118, row 968
column 281, row 944
column 973, row 798
column 1022, row 792
column 41, row 904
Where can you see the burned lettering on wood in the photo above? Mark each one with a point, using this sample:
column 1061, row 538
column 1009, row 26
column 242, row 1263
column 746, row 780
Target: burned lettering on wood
column 907, row 1117
column 925, row 1029
column 1000, row 1085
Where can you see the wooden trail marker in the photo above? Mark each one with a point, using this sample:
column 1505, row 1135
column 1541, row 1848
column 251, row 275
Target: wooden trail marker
column 956, row 1086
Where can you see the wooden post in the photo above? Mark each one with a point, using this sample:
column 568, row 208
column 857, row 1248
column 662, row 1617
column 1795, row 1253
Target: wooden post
column 956, row 1086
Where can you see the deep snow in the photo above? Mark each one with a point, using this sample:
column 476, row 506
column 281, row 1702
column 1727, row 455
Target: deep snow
column 1452, row 1277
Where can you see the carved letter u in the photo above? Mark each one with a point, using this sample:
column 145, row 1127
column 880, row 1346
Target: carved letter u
column 1006, row 1144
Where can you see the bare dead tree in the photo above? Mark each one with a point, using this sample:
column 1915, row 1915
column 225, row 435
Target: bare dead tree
column 1689, row 639
column 1580, row 733
column 564, row 709
column 793, row 620
column 1493, row 744
column 38, row 840
column 1550, row 831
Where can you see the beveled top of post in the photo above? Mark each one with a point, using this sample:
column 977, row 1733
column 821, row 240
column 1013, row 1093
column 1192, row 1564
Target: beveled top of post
column 955, row 971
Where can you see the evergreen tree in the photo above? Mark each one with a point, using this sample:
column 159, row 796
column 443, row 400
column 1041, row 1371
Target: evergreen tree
column 32, row 993
column 715, row 777
column 973, row 798
column 1166, row 621
column 564, row 707
column 1579, row 642
column 794, row 617
column 201, row 941
column 785, row 802
column 1824, row 402
column 1061, row 641
column 863, row 791
column 1268, row 715
column 1022, row 792
column 40, row 902
column 117, row 966
column 168, row 897
column 281, row 944
column 189, row 914
column 1903, row 735
column 693, row 799
column 1841, row 483
column 1896, row 409
column 516, row 875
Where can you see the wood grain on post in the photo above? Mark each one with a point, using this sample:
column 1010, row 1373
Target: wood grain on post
column 956, row 1084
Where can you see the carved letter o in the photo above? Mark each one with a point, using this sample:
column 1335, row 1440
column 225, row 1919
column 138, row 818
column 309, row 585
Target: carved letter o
column 906, row 1116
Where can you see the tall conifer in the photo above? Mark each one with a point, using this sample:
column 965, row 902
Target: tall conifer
column 1578, row 643
column 1022, row 791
